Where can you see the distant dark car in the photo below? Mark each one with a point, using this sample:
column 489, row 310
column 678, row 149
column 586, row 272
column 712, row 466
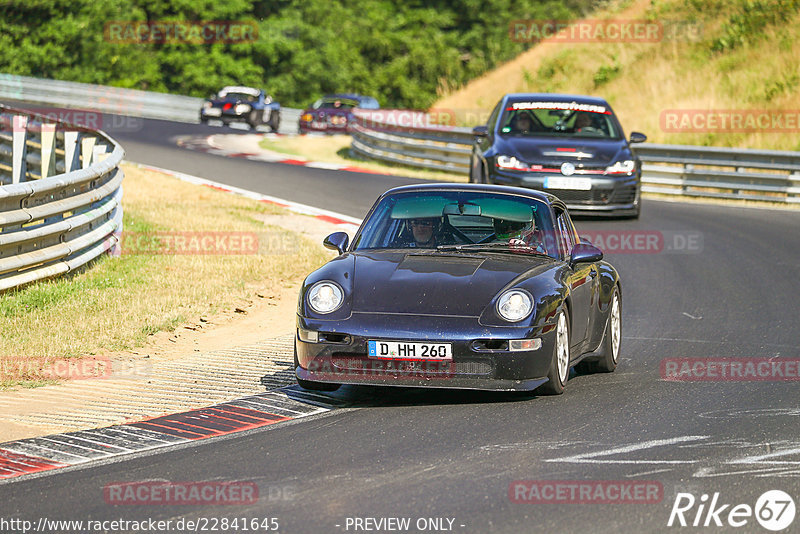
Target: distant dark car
column 572, row 146
column 334, row 113
column 242, row 104
column 459, row 286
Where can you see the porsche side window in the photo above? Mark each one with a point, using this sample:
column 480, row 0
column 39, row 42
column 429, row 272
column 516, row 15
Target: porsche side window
column 576, row 237
column 379, row 230
column 566, row 239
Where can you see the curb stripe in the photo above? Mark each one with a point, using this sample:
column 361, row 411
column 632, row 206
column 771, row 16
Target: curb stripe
column 14, row 464
column 206, row 144
column 33, row 455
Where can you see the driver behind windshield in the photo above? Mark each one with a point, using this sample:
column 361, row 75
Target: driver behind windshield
column 521, row 123
column 521, row 233
column 420, row 232
column 585, row 122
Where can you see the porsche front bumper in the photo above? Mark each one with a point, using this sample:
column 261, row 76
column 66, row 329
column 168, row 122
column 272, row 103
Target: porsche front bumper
column 481, row 359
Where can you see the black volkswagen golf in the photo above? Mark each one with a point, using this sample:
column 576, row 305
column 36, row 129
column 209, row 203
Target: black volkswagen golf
column 568, row 145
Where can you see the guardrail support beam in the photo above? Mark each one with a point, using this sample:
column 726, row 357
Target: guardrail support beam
column 72, row 159
column 19, row 164
column 87, row 150
column 48, row 140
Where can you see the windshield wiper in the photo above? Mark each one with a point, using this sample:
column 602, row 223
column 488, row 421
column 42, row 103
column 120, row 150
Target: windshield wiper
column 499, row 247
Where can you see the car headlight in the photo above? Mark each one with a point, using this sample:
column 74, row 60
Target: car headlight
column 325, row 296
column 621, row 167
column 510, row 162
column 242, row 108
column 514, row 305
column 207, row 105
column 306, row 117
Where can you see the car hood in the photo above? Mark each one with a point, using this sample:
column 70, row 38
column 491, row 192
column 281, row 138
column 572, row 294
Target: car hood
column 421, row 282
column 556, row 151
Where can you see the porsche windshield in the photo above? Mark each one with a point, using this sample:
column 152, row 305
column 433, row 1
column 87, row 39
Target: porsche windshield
column 443, row 219
column 558, row 119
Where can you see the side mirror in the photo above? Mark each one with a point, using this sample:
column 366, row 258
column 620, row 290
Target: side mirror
column 585, row 253
column 480, row 131
column 637, row 137
column 337, row 241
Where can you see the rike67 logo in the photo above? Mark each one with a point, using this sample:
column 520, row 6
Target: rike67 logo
column 774, row 510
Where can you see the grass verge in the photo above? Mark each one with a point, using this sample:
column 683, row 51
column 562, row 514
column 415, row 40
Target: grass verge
column 117, row 303
column 336, row 149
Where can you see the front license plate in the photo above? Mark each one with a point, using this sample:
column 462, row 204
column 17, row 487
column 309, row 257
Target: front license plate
column 213, row 112
column 319, row 125
column 404, row 350
column 562, row 182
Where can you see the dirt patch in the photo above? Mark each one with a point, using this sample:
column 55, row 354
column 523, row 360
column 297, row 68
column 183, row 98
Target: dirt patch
column 244, row 348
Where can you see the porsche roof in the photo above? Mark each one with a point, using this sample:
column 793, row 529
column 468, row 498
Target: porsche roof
column 489, row 188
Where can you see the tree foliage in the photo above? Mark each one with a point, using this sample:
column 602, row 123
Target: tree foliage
column 403, row 53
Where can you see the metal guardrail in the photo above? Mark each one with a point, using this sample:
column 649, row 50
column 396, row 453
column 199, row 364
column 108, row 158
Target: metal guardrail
column 116, row 100
column 60, row 194
column 715, row 172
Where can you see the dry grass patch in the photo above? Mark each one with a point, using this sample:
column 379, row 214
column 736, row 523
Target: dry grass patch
column 643, row 80
column 118, row 302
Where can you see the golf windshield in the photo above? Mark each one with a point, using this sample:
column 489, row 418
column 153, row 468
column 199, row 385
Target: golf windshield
column 559, row 119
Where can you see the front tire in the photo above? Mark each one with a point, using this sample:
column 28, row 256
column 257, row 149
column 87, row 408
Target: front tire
column 275, row 120
column 608, row 352
column 476, row 172
column 253, row 120
column 559, row 364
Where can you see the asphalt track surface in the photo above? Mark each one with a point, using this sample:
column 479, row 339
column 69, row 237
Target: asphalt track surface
column 453, row 454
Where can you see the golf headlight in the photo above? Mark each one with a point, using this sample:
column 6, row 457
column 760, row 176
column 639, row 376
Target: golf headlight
column 514, row 305
column 242, row 108
column 510, row 162
column 325, row 297
column 621, row 167
column 207, row 105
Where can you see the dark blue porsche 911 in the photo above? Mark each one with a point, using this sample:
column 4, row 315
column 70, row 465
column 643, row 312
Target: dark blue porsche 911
column 459, row 286
column 572, row 146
